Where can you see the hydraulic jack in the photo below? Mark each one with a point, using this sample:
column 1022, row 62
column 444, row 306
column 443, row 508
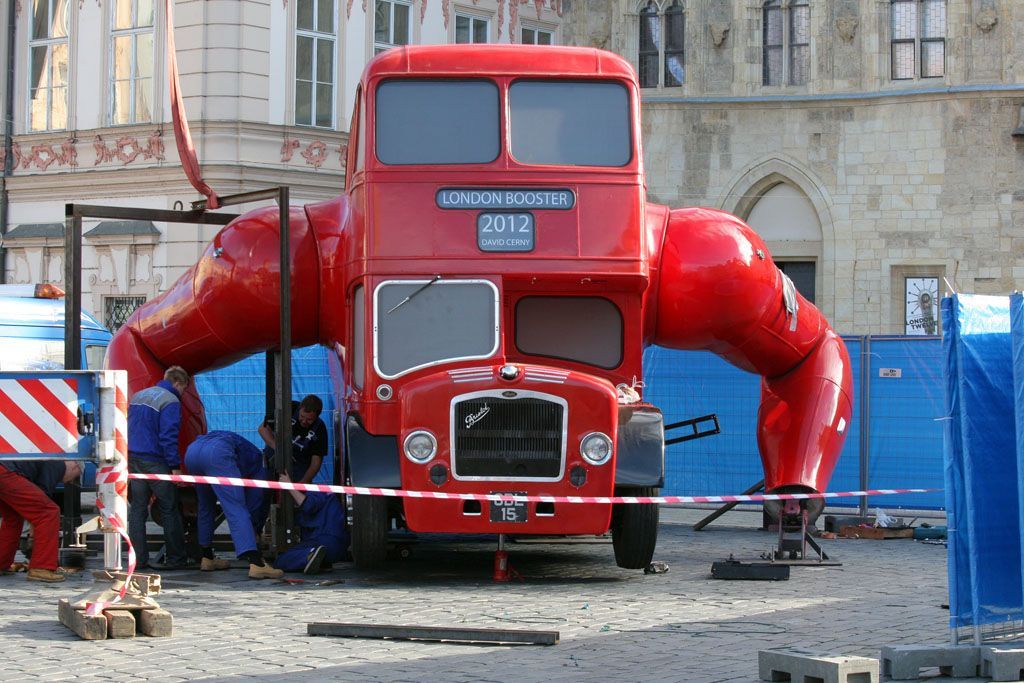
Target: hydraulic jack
column 503, row 571
column 794, row 540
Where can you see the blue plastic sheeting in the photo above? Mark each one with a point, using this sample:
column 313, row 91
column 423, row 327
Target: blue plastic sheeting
column 904, row 441
column 981, row 463
column 1017, row 344
column 235, row 396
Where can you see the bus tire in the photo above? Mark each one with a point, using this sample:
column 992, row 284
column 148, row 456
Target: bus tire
column 635, row 530
column 369, row 531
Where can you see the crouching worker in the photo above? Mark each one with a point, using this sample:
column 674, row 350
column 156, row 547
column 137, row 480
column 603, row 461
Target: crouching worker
column 25, row 491
column 226, row 454
column 321, row 521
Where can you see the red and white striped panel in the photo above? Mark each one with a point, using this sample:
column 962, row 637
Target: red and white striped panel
column 38, row 415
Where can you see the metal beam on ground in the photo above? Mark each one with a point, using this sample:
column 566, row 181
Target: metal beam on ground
column 725, row 508
column 434, row 633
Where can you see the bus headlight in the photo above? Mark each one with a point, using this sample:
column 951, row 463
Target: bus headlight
column 420, row 447
column 596, row 448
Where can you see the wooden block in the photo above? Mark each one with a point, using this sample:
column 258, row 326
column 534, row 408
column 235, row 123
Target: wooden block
column 876, row 533
column 120, row 623
column 87, row 627
column 156, row 622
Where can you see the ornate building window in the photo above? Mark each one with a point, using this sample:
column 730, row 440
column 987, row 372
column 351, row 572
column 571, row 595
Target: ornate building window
column 918, row 39
column 117, row 310
column 48, row 65
column 131, row 62
column 315, row 41
column 391, row 25
column 536, row 36
column 786, row 29
column 471, row 29
column 662, row 43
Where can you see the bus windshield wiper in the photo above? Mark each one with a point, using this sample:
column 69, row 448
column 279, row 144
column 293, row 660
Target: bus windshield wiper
column 408, row 298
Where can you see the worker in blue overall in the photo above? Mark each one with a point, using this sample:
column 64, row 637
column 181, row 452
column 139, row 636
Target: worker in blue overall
column 226, row 454
column 321, row 521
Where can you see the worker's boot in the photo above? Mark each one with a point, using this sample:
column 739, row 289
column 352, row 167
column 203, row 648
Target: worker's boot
column 47, row 575
column 315, row 560
column 212, row 564
column 264, row 572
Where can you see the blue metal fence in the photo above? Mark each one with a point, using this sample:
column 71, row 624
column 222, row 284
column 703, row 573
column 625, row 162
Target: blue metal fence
column 894, row 439
column 897, row 385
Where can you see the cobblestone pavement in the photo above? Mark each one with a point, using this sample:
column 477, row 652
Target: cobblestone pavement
column 614, row 624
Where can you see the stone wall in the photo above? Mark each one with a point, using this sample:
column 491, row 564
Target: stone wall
column 908, row 178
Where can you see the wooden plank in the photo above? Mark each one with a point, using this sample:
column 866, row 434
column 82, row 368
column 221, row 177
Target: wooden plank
column 87, row 627
column 875, row 533
column 435, row 633
column 120, row 623
column 156, row 622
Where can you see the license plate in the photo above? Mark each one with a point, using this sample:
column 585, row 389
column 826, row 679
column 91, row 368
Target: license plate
column 505, row 231
column 508, row 510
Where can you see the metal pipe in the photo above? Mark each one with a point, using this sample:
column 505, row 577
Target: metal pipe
column 164, row 215
column 8, row 166
column 72, row 507
column 864, row 440
column 112, row 550
column 284, row 355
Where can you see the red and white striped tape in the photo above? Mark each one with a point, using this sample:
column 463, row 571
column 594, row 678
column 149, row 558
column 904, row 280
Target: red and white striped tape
column 437, row 495
column 38, row 415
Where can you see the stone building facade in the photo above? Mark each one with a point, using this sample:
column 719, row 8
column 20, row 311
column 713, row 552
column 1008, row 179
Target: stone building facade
column 876, row 144
column 872, row 142
column 268, row 88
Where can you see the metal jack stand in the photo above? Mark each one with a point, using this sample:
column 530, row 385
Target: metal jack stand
column 792, row 548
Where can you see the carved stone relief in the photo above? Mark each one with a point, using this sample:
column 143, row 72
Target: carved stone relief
column 846, row 27
column 37, row 263
column 986, row 19
column 719, row 31
column 125, row 269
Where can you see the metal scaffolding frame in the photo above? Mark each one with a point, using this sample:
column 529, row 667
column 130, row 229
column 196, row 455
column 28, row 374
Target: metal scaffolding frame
column 278, row 396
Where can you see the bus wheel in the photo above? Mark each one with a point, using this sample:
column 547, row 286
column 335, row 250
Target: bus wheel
column 369, row 531
column 635, row 530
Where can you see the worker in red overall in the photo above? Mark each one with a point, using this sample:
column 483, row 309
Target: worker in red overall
column 25, row 491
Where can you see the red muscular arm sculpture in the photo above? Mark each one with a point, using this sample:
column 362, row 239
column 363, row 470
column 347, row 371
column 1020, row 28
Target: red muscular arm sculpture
column 223, row 308
column 719, row 290
column 710, row 281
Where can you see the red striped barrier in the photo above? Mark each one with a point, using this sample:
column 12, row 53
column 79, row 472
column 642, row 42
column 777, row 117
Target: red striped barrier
column 38, row 415
column 402, row 493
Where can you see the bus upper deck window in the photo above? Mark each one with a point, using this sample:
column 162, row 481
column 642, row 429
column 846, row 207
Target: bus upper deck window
column 570, row 123
column 421, row 121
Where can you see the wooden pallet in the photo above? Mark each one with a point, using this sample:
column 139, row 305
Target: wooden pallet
column 117, row 622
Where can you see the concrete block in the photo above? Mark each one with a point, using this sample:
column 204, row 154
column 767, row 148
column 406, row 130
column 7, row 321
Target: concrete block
column 906, row 661
column 156, row 622
column 805, row 666
column 1003, row 663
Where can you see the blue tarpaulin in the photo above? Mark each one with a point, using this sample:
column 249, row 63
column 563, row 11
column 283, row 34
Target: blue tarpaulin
column 984, row 558
column 1017, row 343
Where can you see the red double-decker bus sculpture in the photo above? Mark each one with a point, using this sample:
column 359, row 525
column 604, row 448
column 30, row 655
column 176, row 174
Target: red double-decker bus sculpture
column 489, row 279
